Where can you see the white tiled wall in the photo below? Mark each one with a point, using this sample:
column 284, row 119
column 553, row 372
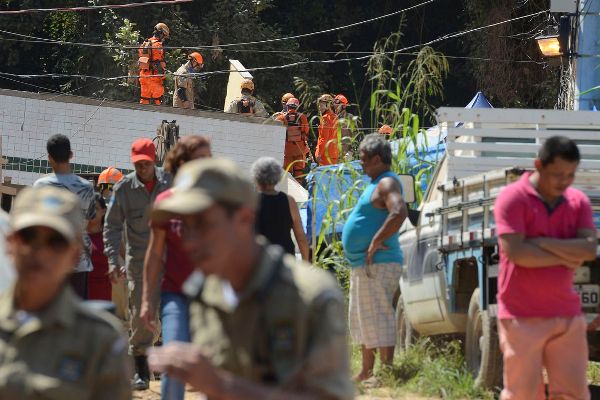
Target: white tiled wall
column 101, row 134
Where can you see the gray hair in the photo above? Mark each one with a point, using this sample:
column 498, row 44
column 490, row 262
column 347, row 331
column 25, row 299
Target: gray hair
column 266, row 171
column 376, row 144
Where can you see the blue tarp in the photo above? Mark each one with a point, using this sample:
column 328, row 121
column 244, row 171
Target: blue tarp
column 334, row 181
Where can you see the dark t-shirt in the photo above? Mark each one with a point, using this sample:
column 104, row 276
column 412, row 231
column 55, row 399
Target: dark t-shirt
column 99, row 286
column 274, row 220
column 178, row 267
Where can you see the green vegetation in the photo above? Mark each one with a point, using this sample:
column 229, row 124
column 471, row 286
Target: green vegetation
column 430, row 369
column 218, row 22
column 396, row 88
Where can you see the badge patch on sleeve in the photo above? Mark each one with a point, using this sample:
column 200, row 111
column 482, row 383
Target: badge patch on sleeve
column 70, row 369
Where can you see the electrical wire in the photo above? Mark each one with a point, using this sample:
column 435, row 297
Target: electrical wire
column 290, row 65
column 327, row 30
column 91, row 8
column 220, row 46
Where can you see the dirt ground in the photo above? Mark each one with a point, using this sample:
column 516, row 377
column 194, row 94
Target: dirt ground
column 154, row 393
column 375, row 394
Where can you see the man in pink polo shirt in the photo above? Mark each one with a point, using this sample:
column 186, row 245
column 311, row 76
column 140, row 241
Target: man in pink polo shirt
column 545, row 231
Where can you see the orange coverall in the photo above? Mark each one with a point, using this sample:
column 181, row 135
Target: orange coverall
column 295, row 150
column 327, row 145
column 152, row 62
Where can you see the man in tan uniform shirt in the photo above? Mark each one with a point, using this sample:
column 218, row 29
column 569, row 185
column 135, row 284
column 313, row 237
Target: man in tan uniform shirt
column 53, row 346
column 264, row 325
column 183, row 95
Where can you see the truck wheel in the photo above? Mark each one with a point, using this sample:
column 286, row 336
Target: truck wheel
column 482, row 349
column 405, row 335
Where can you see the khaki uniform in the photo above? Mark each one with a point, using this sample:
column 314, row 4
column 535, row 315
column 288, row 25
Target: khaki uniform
column 288, row 329
column 65, row 352
column 259, row 108
column 349, row 129
column 130, row 207
column 183, row 80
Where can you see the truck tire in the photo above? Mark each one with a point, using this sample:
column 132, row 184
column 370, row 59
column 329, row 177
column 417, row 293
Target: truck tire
column 405, row 335
column 482, row 348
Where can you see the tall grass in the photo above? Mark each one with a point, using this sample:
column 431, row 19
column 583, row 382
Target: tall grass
column 431, row 370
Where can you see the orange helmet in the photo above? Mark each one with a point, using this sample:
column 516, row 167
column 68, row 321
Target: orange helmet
column 196, row 56
column 247, row 84
column 293, row 102
column 162, row 28
column 340, row 98
column 110, row 175
column 286, row 97
column 386, row 130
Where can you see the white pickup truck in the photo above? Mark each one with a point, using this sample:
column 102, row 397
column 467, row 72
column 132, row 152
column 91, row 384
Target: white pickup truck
column 448, row 285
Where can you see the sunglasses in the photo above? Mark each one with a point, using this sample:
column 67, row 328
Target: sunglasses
column 36, row 237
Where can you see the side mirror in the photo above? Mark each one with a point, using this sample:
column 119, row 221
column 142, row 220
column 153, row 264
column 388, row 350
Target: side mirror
column 408, row 188
column 413, row 216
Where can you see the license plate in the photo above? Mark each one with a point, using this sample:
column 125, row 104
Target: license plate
column 589, row 295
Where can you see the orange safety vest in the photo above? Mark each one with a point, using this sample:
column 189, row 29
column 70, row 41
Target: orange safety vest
column 327, row 146
column 151, row 57
column 297, row 126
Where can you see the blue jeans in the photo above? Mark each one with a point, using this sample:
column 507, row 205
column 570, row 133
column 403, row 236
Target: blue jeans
column 175, row 320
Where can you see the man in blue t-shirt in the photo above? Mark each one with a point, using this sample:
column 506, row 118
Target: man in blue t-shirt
column 59, row 156
column 370, row 240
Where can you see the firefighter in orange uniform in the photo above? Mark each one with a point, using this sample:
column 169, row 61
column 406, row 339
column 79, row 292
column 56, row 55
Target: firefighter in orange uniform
column 296, row 148
column 327, row 145
column 152, row 62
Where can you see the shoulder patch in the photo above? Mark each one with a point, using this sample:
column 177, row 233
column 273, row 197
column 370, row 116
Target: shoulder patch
column 102, row 317
column 313, row 283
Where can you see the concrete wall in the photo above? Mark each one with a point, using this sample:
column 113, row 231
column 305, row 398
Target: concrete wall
column 101, row 132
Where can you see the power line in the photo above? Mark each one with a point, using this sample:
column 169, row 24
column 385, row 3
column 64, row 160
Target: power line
column 294, row 64
column 299, row 51
column 91, row 8
column 328, row 30
column 53, row 41
column 439, row 39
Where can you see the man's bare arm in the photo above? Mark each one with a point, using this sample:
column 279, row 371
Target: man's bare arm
column 527, row 254
column 583, row 247
column 389, row 195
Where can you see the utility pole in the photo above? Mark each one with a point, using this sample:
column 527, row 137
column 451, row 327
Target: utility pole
column 588, row 55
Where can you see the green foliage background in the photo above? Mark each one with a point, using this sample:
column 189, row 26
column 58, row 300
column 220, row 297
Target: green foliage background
column 213, row 22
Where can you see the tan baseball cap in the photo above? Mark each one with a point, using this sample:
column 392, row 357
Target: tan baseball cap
column 48, row 206
column 201, row 183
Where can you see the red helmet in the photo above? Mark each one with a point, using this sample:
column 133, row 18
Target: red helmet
column 293, row 102
column 110, row 175
column 340, row 98
column 386, row 130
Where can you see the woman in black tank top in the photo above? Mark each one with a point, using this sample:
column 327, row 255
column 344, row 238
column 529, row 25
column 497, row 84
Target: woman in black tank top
column 278, row 213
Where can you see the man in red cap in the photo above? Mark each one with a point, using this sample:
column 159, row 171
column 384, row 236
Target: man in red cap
column 127, row 212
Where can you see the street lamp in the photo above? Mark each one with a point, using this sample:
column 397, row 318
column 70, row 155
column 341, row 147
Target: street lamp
column 556, row 44
column 549, row 45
